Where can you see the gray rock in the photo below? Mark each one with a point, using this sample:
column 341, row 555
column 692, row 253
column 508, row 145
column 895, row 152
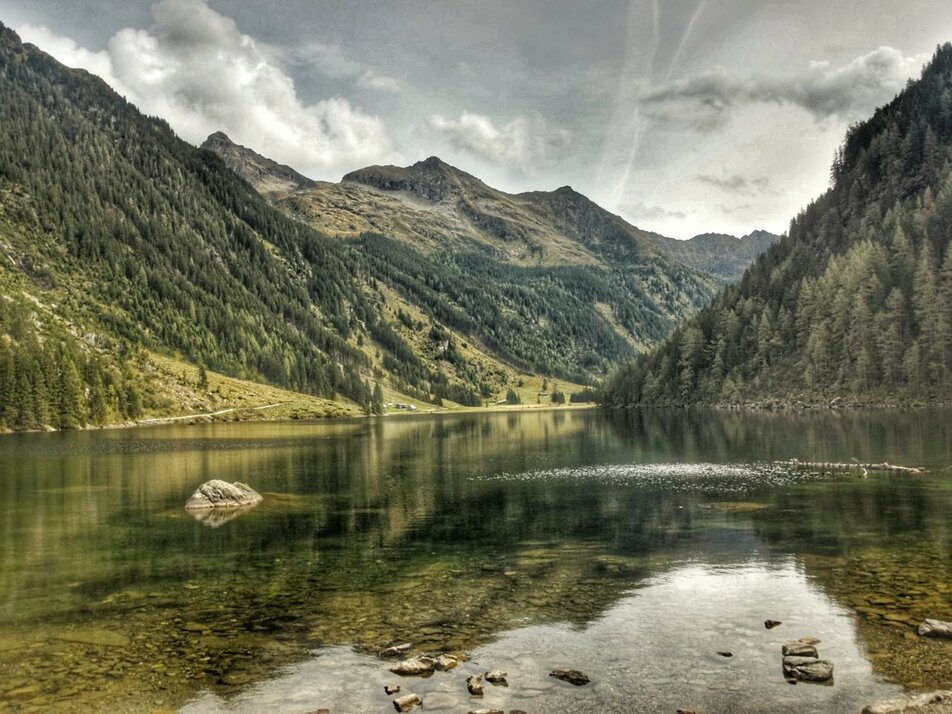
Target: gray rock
column 908, row 702
column 445, row 662
column 496, row 677
column 397, row 650
column 936, row 628
column 414, row 666
column 406, row 702
column 221, row 494
column 391, row 689
column 572, row 676
column 807, row 669
column 474, row 684
column 799, row 648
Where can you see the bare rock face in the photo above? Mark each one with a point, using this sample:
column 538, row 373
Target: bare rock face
column 221, row 494
column 936, row 628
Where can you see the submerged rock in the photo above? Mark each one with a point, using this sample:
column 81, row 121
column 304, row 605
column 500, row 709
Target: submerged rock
column 414, row 666
column 406, row 702
column 807, row 669
column 725, row 653
column 572, row 676
column 474, row 684
column 221, row 494
column 496, row 677
column 936, row 628
column 908, row 702
column 486, row 711
column 397, row 650
column 799, row 648
column 770, row 624
column 391, row 689
column 445, row 662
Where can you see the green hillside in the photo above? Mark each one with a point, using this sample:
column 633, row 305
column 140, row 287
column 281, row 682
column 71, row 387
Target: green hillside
column 121, row 244
column 856, row 302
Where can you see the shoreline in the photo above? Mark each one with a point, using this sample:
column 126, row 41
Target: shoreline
column 246, row 415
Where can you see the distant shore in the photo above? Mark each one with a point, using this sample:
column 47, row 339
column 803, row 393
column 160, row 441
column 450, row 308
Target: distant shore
column 236, row 415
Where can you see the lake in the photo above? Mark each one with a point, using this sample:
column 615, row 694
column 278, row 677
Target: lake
column 633, row 547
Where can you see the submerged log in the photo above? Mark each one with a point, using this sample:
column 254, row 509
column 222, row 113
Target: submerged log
column 851, row 466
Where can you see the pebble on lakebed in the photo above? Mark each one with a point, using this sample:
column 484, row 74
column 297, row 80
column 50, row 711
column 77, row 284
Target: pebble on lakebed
column 474, row 684
column 397, row 650
column 406, row 702
column 496, row 677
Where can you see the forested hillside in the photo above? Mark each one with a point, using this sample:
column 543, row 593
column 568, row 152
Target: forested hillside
column 118, row 240
column 547, row 281
column 856, row 302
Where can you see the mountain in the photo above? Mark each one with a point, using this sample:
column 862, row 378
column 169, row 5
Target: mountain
column 262, row 173
column 139, row 274
column 854, row 305
column 433, row 205
column 722, row 256
column 548, row 282
column 564, row 259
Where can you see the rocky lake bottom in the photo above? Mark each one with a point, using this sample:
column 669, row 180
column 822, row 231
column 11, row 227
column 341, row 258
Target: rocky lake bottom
column 641, row 549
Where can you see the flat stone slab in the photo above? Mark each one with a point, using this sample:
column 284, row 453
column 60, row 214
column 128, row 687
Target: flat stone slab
column 799, row 648
column 414, row 667
column 221, row 494
column 807, row 669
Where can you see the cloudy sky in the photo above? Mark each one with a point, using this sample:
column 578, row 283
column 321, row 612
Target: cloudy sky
column 684, row 116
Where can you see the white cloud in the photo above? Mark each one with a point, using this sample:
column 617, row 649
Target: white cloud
column 852, row 91
column 196, row 70
column 518, row 144
column 332, row 61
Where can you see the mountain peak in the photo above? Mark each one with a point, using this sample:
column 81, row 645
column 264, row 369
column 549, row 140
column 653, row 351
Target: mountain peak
column 218, row 137
column 433, row 162
column 9, row 40
column 432, row 179
column 266, row 175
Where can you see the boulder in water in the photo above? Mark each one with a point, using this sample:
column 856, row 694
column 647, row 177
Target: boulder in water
column 221, row 494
